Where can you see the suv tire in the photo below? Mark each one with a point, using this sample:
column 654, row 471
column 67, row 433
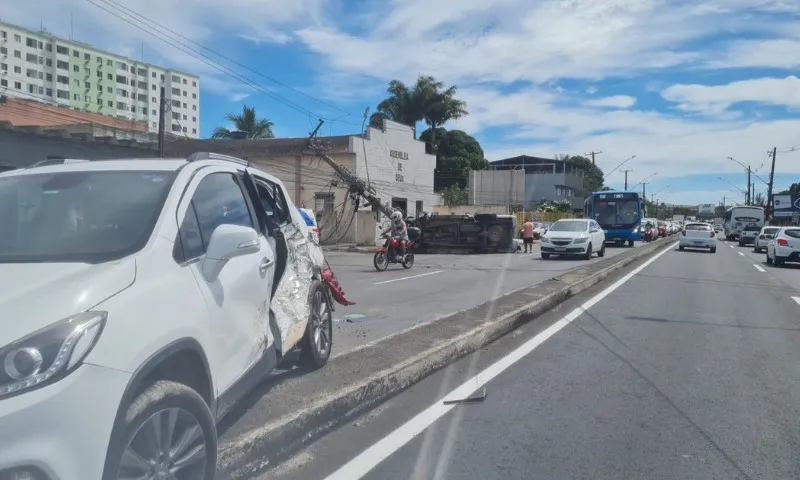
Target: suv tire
column 182, row 415
column 319, row 328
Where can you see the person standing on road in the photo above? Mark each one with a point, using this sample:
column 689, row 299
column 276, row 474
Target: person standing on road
column 527, row 236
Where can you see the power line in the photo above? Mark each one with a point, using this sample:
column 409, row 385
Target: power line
column 273, row 80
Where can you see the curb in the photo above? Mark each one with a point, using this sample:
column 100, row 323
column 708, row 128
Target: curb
column 246, row 455
column 352, row 249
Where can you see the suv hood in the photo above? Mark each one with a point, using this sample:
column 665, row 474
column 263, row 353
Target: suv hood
column 562, row 234
column 34, row 295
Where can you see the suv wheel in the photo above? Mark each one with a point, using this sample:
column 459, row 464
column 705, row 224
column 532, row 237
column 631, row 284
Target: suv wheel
column 168, row 432
column 316, row 348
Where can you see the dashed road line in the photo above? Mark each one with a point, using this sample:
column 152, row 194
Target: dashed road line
column 758, row 267
column 741, row 253
column 408, row 278
column 796, row 299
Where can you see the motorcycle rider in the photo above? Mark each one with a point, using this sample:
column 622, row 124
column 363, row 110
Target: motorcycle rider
column 399, row 231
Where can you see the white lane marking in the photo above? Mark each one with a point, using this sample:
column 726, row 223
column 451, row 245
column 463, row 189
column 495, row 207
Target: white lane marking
column 408, row 278
column 796, row 299
column 380, row 451
column 741, row 253
column 730, row 246
column 758, row 267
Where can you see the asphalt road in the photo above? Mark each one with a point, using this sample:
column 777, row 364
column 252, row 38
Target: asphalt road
column 437, row 285
column 688, row 368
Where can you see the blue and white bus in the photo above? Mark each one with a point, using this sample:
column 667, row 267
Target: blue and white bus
column 739, row 217
column 618, row 213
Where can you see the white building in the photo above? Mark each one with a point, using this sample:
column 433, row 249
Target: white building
column 40, row 66
column 396, row 164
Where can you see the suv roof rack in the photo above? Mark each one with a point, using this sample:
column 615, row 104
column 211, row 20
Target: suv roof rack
column 197, row 156
column 52, row 160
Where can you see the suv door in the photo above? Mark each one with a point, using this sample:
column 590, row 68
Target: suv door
column 238, row 299
column 598, row 237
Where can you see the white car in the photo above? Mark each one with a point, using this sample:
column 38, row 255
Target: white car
column 540, row 229
column 785, row 246
column 574, row 237
column 698, row 235
column 763, row 238
column 748, row 235
column 139, row 301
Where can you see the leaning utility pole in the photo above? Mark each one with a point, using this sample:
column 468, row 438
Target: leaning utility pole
column 357, row 187
column 626, row 177
column 162, row 111
column 769, row 186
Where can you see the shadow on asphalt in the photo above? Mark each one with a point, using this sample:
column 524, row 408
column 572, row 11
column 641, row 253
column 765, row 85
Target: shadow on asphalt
column 707, row 324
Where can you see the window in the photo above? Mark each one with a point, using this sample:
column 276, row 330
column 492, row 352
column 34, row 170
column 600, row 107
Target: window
column 142, row 72
column 176, row 116
column 122, row 79
column 133, row 69
column 76, row 68
column 87, row 99
column 17, row 38
column 219, row 200
column 49, row 92
column 48, row 77
column 154, row 88
column 4, row 83
column 194, row 84
column 31, row 88
column 62, row 65
column 184, row 105
column 48, row 62
column 62, row 79
column 142, row 84
column 189, row 244
column 3, row 34
column 142, row 98
column 323, row 202
column 76, row 54
column 76, row 97
column 194, row 96
column 176, row 79
column 71, row 217
column 48, row 48
column 17, row 54
column 154, row 112
column 62, row 50
column 31, row 42
column 110, row 103
column 194, row 107
column 17, row 69
column 109, row 63
column 194, row 130
column 100, row 102
column 3, row 67
column 3, row 51
column 99, row 61
column 31, row 57
column 87, row 57
column 184, row 117
column 122, row 66
column 176, row 104
column 110, row 89
column 62, row 94
column 77, row 82
column 184, row 93
column 153, row 75
column 176, row 91
column 122, row 106
column 133, row 83
column 99, row 74
column 154, row 99
column 194, row 119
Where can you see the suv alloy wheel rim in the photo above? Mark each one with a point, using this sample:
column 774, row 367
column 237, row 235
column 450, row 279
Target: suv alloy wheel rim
column 320, row 318
column 169, row 445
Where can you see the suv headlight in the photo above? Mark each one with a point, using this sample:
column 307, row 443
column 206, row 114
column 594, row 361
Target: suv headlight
column 545, row 240
column 49, row 354
column 581, row 240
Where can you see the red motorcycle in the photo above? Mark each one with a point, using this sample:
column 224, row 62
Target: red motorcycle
column 390, row 253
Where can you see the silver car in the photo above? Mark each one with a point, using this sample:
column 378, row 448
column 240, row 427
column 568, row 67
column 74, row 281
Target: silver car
column 762, row 239
column 698, row 235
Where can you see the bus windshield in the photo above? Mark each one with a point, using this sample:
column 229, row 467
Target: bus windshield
column 617, row 213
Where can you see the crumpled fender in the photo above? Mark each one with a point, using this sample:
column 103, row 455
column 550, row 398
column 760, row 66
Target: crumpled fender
column 336, row 290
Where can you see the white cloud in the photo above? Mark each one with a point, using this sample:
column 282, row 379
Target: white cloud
column 238, row 97
column 617, row 101
column 202, row 21
column 714, row 99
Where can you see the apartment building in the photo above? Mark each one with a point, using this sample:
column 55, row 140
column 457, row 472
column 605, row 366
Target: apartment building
column 42, row 67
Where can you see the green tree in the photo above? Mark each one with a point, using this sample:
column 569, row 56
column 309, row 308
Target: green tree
column 454, row 195
column 457, row 154
column 428, row 100
column 593, row 177
column 793, row 189
column 247, row 121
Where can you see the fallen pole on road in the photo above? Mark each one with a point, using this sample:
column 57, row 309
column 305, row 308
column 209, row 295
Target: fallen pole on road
column 304, row 408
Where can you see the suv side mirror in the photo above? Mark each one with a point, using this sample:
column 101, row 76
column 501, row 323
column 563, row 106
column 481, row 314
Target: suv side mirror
column 227, row 242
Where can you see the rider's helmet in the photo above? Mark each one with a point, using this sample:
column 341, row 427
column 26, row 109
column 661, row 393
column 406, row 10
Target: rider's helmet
column 396, row 216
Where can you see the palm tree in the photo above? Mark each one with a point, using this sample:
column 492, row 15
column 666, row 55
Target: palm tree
column 256, row 128
column 427, row 101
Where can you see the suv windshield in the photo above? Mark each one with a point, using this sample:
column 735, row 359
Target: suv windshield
column 569, row 226
column 87, row 217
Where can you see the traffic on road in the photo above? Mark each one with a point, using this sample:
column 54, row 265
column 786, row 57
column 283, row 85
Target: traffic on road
column 617, row 383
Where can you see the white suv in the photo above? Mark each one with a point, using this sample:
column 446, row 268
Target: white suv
column 139, row 301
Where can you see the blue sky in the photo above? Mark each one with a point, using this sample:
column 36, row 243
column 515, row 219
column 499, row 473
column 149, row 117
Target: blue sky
column 681, row 85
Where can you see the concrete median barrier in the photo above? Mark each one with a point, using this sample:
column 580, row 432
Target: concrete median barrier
column 301, row 408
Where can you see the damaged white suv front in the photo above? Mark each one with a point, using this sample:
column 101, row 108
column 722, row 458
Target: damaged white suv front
column 143, row 296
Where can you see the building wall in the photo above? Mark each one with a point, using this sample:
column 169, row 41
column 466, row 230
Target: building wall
column 397, row 166
column 549, row 186
column 495, row 187
column 23, row 113
column 23, row 149
column 40, row 66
